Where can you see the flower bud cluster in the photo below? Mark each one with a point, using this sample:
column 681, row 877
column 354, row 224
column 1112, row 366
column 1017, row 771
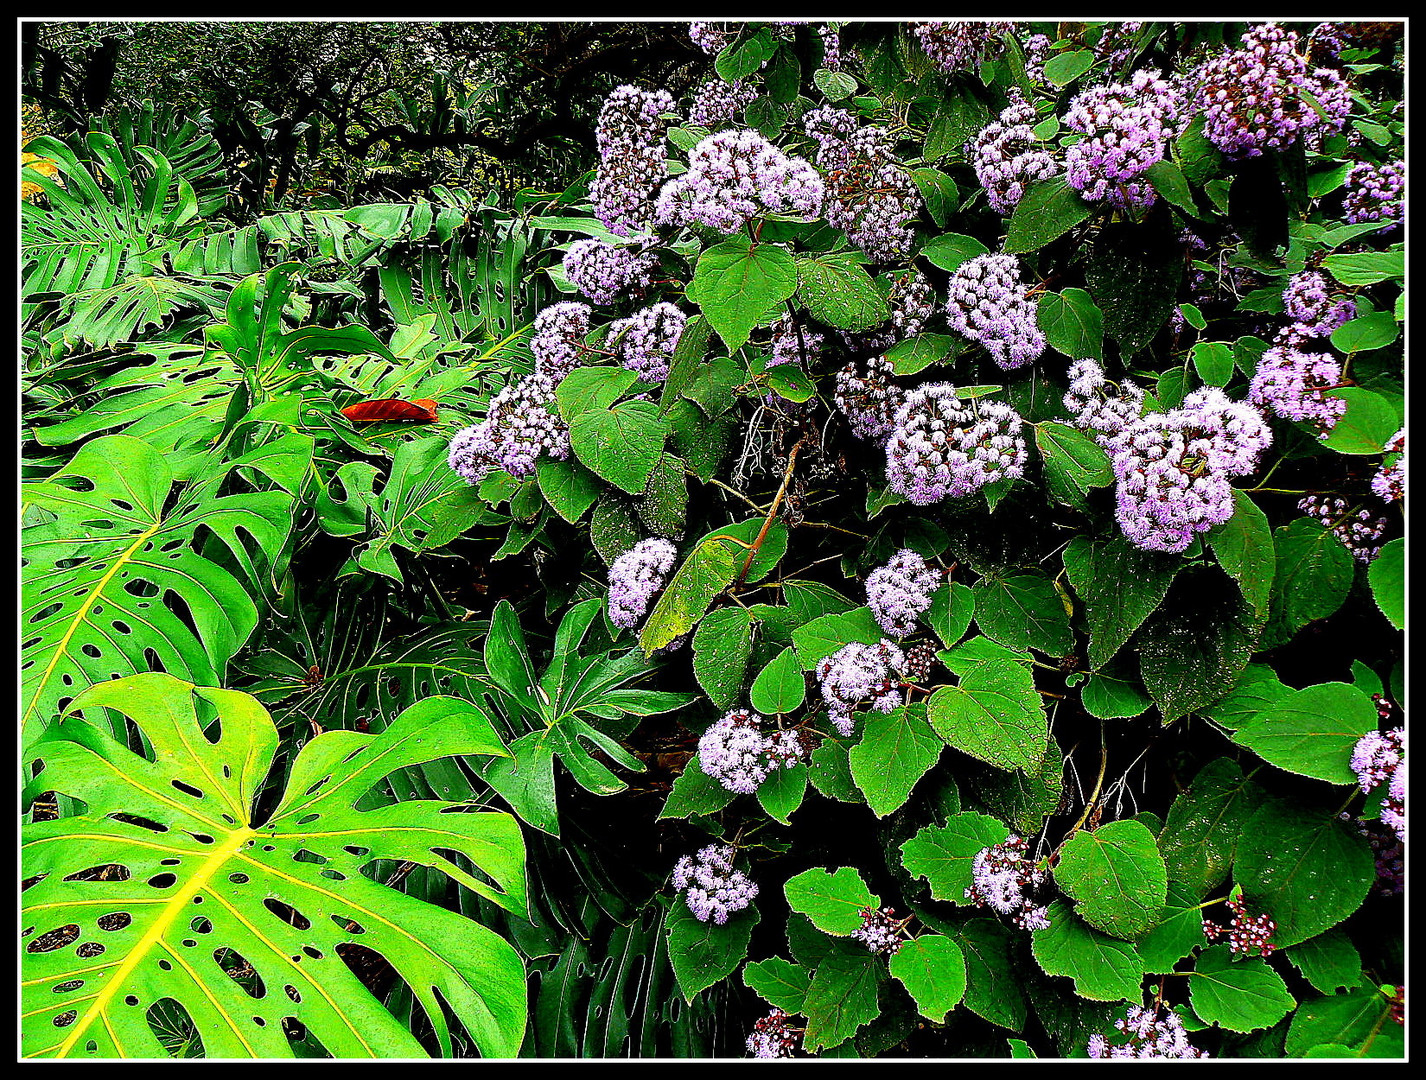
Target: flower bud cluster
column 1252, row 98
column 1380, row 758
column 789, row 340
column 1008, row 158
column 603, row 272
column 1307, row 302
column 645, row 341
column 1292, row 382
column 1390, row 481
column 880, row 930
column 737, row 753
column 919, row 660
column 1149, row 1036
column 987, row 303
column 870, row 194
column 900, row 590
column 943, row 448
column 1127, row 128
column 1099, row 407
column 521, row 424
column 772, row 1037
column 716, row 102
column 1172, row 468
column 957, row 45
column 912, row 302
column 1245, row 932
column 1374, row 193
column 634, row 578
column 629, row 135
column 858, row 673
column 1360, row 532
column 870, row 401
column 1006, row 880
column 558, row 342
column 715, row 889
column 1388, row 852
column 734, row 176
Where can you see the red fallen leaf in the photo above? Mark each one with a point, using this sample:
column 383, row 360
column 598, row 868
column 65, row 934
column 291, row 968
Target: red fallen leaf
column 423, row 410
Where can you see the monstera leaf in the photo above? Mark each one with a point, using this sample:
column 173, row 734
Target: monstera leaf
column 170, row 890
column 114, row 573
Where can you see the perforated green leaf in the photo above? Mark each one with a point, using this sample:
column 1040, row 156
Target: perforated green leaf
column 197, row 886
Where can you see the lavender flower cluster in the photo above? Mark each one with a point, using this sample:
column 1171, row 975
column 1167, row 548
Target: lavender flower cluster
column 880, row 930
column 772, row 1037
column 1292, row 383
column 986, row 302
column 634, row 578
column 715, row 890
column 790, row 339
column 1360, row 532
column 869, row 402
column 1374, row 193
column 629, row 135
column 899, row 590
column 603, row 272
column 943, row 448
column 1149, row 1036
column 1037, row 51
column 958, row 45
column 558, row 342
column 1098, row 406
column 870, row 195
column 911, row 301
column 1127, row 128
column 858, row 673
column 737, row 753
column 1116, row 44
column 716, row 102
column 1172, row 468
column 831, row 47
column 1308, row 303
column 645, row 341
column 1380, row 758
column 733, row 176
column 521, row 424
column 711, row 37
column 1252, row 98
column 1006, row 880
column 1389, row 483
column 1007, row 156
column 1245, row 933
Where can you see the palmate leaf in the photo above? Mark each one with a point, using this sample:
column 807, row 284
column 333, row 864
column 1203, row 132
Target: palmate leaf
column 195, row 884
column 114, row 583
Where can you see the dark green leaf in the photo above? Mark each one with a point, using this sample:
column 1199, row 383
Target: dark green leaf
column 1045, row 212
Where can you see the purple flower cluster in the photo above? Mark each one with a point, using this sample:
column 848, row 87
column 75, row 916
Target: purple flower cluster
column 1390, row 481
column 986, row 302
column 1115, row 47
column 1172, row 468
column 716, row 102
column 1006, row 880
column 645, row 341
column 1127, row 127
column 1252, row 98
column 1008, row 158
column 831, row 47
column 900, row 590
column 1245, row 933
column 870, row 401
column 711, row 37
column 1389, row 853
column 629, row 135
column 715, row 889
column 634, row 578
column 1037, row 51
column 1149, row 1036
column 603, row 272
column 1360, row 532
column 1380, row 758
column 789, row 340
column 772, row 1037
column 734, row 176
column 912, row 302
column 558, row 343
column 944, row 448
column 856, row 673
column 958, row 45
column 870, row 194
column 1100, row 407
column 737, row 753
column 880, row 930
column 1308, row 303
column 1292, row 383
column 521, row 424
column 1374, row 193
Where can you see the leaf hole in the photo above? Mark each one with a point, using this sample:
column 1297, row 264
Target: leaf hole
column 54, row 939
column 115, row 920
column 87, row 950
column 142, row 823
column 174, row 1028
column 237, row 877
column 237, row 968
column 67, row 987
column 106, row 872
column 161, row 881
column 66, row 1018
column 287, row 913
column 187, row 789
column 201, row 924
